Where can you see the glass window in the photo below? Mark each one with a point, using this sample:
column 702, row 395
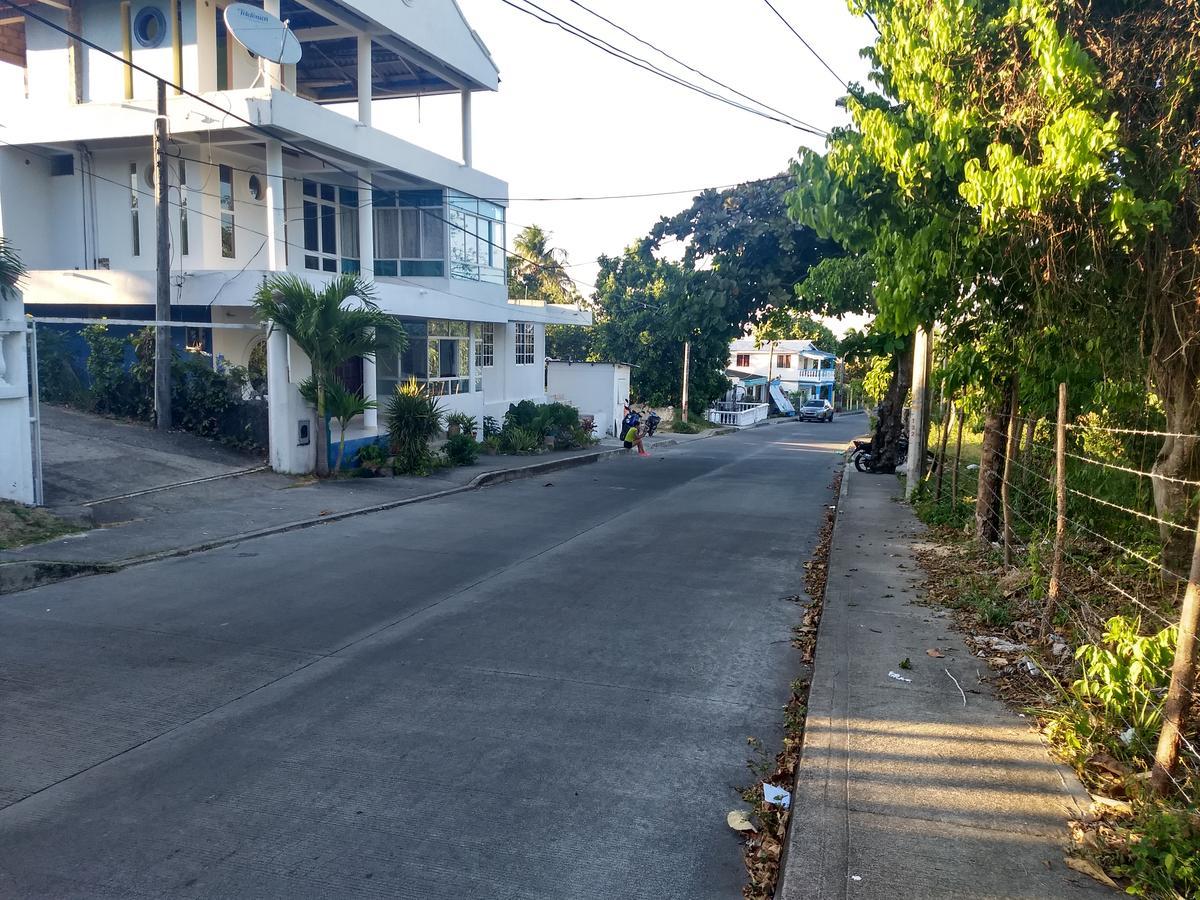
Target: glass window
column 477, row 237
column 228, row 248
column 485, row 345
column 743, row 359
column 783, row 360
column 133, row 210
column 523, row 343
column 183, row 209
column 438, row 354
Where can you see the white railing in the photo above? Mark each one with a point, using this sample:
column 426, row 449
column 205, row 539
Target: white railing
column 739, row 415
column 819, row 376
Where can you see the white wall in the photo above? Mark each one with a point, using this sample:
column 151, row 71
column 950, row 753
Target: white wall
column 595, row 389
column 46, row 59
column 24, row 214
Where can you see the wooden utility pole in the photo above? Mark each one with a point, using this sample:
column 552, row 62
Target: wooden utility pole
column 916, row 418
column 1183, row 680
column 1060, row 495
column 687, row 359
column 162, row 300
column 1010, row 449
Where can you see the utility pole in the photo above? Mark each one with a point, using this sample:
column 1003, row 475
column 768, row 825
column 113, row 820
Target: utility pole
column 162, row 300
column 916, row 417
column 687, row 359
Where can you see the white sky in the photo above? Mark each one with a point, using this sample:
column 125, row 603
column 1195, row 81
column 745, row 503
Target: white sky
column 571, row 120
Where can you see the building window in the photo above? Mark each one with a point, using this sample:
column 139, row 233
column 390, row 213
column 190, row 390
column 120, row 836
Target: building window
column 523, row 343
column 228, row 249
column 410, row 234
column 224, row 58
column 193, row 339
column 783, row 360
column 348, row 227
column 437, row 354
column 133, row 210
column 254, row 187
column 183, row 209
column 150, row 26
column 476, row 239
column 743, row 359
column 485, row 345
column 320, row 226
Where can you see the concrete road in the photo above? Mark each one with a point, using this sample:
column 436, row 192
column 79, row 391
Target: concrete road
column 539, row 690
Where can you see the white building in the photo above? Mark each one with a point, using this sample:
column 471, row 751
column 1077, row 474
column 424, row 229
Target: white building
column 798, row 365
column 76, row 187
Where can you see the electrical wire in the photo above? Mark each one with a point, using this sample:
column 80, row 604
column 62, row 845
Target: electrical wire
column 809, row 46
column 639, row 62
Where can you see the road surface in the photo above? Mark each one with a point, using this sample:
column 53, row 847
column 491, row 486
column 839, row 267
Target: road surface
column 538, row 690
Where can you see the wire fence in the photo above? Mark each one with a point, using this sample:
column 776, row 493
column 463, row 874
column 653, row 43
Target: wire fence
column 1079, row 506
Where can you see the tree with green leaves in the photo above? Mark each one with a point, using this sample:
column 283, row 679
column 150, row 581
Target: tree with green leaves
column 330, row 325
column 11, row 269
column 537, row 270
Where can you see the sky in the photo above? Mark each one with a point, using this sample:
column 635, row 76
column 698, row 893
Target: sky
column 569, row 120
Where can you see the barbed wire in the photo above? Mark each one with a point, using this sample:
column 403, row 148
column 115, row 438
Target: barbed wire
column 1132, row 512
column 1110, row 430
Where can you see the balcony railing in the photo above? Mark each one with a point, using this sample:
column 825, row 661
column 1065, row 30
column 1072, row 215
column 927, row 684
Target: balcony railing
column 738, row 415
column 815, row 375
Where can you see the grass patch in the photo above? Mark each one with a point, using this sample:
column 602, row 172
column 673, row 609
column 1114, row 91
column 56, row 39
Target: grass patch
column 679, row 426
column 23, row 525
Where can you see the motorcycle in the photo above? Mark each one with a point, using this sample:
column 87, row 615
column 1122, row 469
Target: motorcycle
column 652, row 420
column 863, row 459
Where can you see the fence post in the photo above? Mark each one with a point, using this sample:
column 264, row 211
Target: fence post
column 1060, row 494
column 957, row 460
column 1183, row 680
column 1010, row 448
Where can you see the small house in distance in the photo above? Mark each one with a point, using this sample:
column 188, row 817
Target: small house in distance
column 798, row 366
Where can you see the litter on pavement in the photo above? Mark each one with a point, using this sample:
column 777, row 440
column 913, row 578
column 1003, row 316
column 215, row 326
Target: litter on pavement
column 776, row 795
column 899, row 677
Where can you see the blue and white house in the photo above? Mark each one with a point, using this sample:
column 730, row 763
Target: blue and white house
column 307, row 189
column 798, row 366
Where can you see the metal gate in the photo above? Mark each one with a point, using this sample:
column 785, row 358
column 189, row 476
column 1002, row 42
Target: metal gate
column 35, row 414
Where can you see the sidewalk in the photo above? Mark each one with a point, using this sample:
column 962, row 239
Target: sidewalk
column 903, row 791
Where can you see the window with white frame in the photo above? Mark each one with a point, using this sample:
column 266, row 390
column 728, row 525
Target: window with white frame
column 743, row 360
column 476, row 239
column 783, row 360
column 225, row 177
column 437, row 354
column 183, row 210
column 523, row 343
column 485, row 350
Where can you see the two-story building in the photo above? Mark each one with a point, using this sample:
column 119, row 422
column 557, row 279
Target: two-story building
column 303, row 188
column 799, row 367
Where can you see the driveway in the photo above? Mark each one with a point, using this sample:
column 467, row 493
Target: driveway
column 87, row 458
column 538, row 690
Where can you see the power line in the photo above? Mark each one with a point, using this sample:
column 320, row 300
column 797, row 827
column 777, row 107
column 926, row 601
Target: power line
column 807, row 44
column 680, row 62
column 648, row 66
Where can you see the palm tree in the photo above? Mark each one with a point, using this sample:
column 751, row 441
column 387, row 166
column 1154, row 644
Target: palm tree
column 331, row 325
column 11, row 270
column 341, row 405
column 535, row 269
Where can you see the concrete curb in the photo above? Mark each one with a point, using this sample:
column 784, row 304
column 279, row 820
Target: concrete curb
column 22, row 575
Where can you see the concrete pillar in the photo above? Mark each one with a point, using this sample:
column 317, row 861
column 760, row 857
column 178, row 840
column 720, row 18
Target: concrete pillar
column 917, row 420
column 366, row 262
column 466, row 128
column 364, row 79
column 276, row 211
column 16, row 449
column 271, row 69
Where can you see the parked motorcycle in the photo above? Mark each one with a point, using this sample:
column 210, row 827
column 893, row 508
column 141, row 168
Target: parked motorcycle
column 864, row 461
column 652, row 420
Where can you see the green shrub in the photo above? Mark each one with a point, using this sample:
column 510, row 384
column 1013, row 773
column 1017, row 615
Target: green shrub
column 371, row 456
column 514, row 439
column 491, row 428
column 413, row 419
column 1161, row 855
column 466, row 424
column 680, row 426
column 521, row 415
column 1122, row 681
column 462, row 449
column 110, row 387
column 553, row 418
column 58, row 381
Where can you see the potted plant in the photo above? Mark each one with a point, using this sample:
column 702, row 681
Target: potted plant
column 460, row 423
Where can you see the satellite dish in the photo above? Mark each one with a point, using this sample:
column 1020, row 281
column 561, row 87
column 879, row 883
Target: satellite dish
column 262, row 34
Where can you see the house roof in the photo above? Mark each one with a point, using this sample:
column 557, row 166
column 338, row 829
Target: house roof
column 803, row 347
